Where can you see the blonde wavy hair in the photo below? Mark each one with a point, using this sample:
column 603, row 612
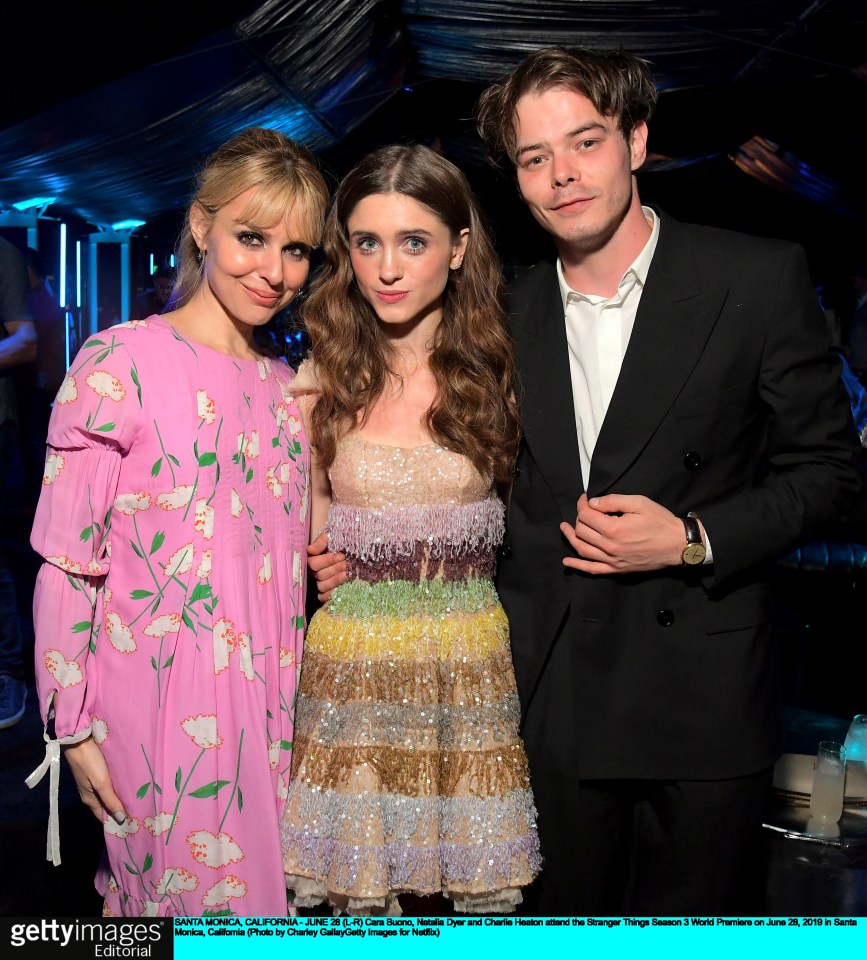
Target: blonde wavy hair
column 475, row 412
column 287, row 181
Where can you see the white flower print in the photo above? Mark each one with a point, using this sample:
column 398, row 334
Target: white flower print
column 287, row 657
column 163, row 624
column 224, row 640
column 130, row 503
column 282, row 789
column 157, row 826
column 106, row 384
column 68, row 392
column 202, row 730
column 98, row 729
column 264, row 574
column 203, row 570
column 294, row 425
column 205, row 406
column 297, row 569
column 249, row 446
column 274, row 754
column 273, row 483
column 214, row 850
column 277, row 477
column 54, row 464
column 150, row 909
column 229, row 888
column 180, row 562
column 176, row 497
column 73, row 566
column 246, row 651
column 176, row 880
column 280, row 413
column 67, row 673
column 204, row 519
column 305, row 502
column 120, row 830
column 237, row 506
column 264, row 368
column 119, row 634
column 132, row 324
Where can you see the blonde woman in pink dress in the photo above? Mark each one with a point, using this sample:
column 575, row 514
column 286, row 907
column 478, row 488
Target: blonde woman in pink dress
column 173, row 522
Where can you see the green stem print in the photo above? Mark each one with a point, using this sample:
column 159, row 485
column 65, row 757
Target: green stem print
column 100, row 347
column 143, row 789
column 136, row 871
column 168, row 457
column 236, row 787
column 181, row 791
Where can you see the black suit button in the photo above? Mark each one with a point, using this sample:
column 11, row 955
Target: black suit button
column 665, row 618
column 692, row 460
column 505, row 552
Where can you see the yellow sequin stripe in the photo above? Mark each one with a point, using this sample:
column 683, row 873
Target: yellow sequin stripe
column 475, row 635
column 421, row 682
column 409, row 772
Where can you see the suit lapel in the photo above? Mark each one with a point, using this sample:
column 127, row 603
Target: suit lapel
column 673, row 323
column 548, row 406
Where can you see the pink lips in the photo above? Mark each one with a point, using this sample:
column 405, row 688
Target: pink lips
column 265, row 299
column 391, row 296
column 575, row 203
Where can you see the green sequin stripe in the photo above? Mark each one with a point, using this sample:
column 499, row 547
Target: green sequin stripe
column 404, row 598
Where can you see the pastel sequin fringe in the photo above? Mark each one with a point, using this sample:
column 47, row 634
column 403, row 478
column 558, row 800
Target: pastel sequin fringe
column 444, row 529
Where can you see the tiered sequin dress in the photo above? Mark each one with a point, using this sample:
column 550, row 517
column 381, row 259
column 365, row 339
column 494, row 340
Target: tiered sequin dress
column 408, row 772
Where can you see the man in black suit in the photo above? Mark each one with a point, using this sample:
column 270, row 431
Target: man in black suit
column 678, row 384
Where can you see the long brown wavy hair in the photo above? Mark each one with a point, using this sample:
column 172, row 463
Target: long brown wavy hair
column 475, row 411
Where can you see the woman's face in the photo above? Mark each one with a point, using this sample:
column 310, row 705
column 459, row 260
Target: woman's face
column 253, row 271
column 401, row 254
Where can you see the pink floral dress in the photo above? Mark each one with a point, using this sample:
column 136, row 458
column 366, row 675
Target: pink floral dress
column 169, row 613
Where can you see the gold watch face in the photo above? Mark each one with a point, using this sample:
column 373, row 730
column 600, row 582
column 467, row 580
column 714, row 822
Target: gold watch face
column 693, row 553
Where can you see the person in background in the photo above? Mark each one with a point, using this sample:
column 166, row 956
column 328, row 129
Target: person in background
column 681, row 392
column 18, row 342
column 409, row 776
column 155, row 299
column 169, row 609
column 45, row 374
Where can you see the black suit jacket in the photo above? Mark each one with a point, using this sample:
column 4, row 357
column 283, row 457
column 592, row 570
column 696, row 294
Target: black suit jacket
column 729, row 403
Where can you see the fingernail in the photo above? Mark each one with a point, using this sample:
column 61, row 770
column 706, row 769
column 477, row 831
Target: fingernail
column 119, row 816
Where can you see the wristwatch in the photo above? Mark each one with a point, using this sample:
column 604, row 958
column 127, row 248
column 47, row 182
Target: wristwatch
column 694, row 551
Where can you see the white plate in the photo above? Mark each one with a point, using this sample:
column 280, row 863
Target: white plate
column 793, row 774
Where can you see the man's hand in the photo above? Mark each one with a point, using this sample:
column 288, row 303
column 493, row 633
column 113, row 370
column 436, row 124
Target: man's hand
column 329, row 569
column 93, row 781
column 623, row 534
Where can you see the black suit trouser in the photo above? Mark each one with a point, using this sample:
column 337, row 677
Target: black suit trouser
column 636, row 847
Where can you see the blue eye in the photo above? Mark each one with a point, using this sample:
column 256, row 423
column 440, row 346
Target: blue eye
column 415, row 244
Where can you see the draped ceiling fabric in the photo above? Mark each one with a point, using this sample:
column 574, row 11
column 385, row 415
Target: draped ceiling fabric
column 774, row 89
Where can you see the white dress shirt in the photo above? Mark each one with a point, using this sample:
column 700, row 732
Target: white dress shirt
column 598, row 331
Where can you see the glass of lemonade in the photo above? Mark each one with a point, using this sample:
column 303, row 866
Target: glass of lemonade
column 826, row 799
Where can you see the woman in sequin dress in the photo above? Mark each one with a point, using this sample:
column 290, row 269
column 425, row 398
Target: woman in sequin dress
column 408, row 772
column 173, row 521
